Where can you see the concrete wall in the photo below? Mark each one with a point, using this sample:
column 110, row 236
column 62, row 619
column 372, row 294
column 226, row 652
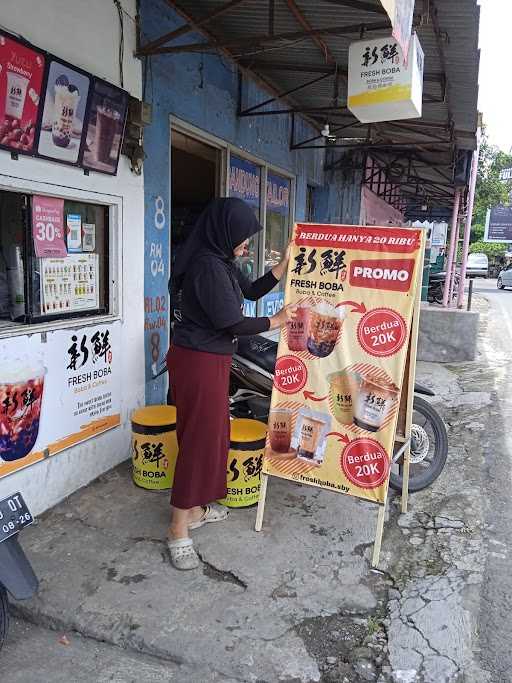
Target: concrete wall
column 86, row 34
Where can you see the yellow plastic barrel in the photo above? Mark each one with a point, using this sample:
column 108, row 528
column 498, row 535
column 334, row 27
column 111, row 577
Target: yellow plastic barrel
column 154, row 447
column 245, row 460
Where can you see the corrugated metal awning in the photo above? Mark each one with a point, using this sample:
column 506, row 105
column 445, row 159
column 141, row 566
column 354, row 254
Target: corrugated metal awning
column 286, row 44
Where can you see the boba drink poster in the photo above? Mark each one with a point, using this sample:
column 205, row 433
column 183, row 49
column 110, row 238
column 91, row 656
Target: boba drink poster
column 56, row 394
column 341, row 360
column 67, row 90
column 21, row 77
column 105, row 128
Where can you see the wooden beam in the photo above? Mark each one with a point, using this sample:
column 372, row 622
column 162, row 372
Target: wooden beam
column 172, row 35
column 265, row 39
column 329, row 57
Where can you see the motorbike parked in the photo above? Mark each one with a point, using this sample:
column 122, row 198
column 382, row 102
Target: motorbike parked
column 250, row 393
column 251, row 381
column 16, row 574
column 436, row 286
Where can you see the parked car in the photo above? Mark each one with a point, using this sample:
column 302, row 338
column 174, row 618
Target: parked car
column 477, row 266
column 505, row 277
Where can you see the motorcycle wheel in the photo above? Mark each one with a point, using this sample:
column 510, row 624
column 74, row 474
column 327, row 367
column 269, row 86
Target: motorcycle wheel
column 429, row 449
column 4, row 616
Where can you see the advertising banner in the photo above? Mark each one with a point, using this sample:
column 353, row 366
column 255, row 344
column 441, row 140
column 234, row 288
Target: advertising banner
column 382, row 84
column 65, row 102
column 104, row 128
column 401, row 13
column 56, row 394
column 244, row 181
column 21, row 77
column 48, row 227
column 498, row 227
column 341, row 361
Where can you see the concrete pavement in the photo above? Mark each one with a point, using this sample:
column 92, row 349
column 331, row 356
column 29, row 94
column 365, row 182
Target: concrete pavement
column 299, row 601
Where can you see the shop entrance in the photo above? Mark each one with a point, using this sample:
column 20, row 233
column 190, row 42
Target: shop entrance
column 195, row 181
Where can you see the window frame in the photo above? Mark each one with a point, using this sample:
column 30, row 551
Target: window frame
column 114, row 205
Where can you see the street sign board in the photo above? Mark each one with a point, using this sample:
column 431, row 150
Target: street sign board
column 498, row 227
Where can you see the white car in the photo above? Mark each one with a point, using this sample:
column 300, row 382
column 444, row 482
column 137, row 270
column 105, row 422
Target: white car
column 477, row 266
column 505, row 277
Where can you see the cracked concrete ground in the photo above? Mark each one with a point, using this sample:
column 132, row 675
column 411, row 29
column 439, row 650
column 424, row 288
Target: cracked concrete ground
column 296, row 603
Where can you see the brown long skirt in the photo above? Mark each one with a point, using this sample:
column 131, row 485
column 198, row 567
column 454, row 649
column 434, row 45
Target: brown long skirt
column 200, row 387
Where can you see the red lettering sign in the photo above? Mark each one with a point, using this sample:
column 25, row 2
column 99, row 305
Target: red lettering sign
column 394, row 240
column 394, row 275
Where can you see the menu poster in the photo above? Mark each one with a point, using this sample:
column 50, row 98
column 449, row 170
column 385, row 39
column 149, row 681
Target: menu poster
column 21, row 78
column 48, row 227
column 104, row 128
column 340, row 362
column 69, row 284
column 65, row 104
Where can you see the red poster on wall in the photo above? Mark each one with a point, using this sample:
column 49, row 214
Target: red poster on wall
column 21, row 77
column 48, row 227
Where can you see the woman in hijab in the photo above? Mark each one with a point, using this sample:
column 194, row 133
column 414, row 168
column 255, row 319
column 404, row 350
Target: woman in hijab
column 212, row 290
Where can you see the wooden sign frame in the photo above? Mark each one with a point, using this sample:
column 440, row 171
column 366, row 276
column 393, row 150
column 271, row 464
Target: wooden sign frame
column 404, row 421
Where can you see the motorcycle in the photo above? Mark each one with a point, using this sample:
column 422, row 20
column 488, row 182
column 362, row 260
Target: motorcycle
column 436, row 284
column 250, row 392
column 16, row 574
column 251, row 381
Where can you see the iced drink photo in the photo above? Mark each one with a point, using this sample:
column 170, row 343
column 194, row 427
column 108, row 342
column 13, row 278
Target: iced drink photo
column 21, row 394
column 16, row 93
column 376, row 399
column 344, row 390
column 324, row 329
column 297, row 329
column 309, row 437
column 280, row 430
column 107, row 125
column 65, row 106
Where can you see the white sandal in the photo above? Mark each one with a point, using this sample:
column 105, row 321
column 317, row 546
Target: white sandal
column 183, row 555
column 210, row 514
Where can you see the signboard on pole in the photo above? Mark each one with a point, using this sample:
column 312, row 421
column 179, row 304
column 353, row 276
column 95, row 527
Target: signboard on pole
column 401, row 13
column 382, row 85
column 341, row 361
column 56, row 394
column 498, row 226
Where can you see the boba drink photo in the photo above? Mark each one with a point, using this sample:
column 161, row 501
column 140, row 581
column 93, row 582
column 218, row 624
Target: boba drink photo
column 280, row 430
column 325, row 328
column 376, row 399
column 297, row 329
column 104, row 127
column 343, row 392
column 310, row 437
column 21, row 395
column 63, row 113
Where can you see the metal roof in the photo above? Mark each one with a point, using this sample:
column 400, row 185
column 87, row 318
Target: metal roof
column 278, row 42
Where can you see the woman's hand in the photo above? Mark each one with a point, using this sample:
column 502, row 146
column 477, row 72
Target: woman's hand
column 280, row 319
column 279, row 271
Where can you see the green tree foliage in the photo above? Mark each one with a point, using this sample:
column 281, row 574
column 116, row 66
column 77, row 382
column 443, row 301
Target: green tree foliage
column 492, row 250
column 490, row 190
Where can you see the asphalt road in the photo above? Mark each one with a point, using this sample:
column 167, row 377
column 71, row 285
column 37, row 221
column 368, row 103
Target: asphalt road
column 495, row 623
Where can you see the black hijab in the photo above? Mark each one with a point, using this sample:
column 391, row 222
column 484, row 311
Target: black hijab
column 223, row 225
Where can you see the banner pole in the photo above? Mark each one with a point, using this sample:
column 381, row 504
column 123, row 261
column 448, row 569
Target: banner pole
column 261, row 502
column 413, row 350
column 379, row 533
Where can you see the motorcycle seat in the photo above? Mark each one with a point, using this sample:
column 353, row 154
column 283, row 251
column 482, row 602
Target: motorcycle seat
column 258, row 350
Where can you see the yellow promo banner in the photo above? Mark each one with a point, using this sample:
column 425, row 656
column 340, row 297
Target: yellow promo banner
column 341, row 360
